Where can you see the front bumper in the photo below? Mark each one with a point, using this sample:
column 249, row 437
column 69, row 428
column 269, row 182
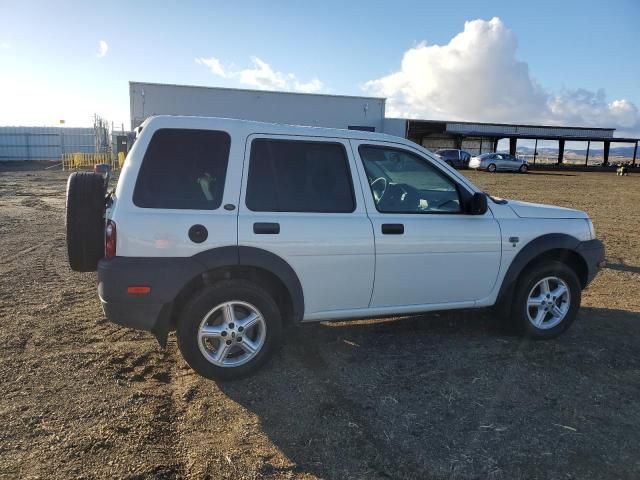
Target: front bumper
column 593, row 253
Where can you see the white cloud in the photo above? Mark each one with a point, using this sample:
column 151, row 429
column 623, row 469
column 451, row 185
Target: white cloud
column 261, row 76
column 4, row 46
column 477, row 77
column 103, row 48
column 213, row 64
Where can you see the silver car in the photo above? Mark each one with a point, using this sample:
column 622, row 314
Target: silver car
column 492, row 162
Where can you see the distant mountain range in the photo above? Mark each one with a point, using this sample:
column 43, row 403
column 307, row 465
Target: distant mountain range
column 613, row 151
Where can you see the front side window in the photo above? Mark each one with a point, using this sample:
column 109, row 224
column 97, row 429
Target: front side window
column 402, row 182
column 183, row 169
column 299, row 176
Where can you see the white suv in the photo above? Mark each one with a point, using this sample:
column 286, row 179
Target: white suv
column 228, row 231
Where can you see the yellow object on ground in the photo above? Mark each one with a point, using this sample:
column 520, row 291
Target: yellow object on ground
column 85, row 160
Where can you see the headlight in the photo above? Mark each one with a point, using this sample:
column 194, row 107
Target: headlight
column 592, row 229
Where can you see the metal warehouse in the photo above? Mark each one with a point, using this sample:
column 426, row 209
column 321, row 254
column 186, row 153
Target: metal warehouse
column 148, row 99
column 359, row 113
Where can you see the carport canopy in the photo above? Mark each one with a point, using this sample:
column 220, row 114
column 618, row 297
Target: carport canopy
column 420, row 131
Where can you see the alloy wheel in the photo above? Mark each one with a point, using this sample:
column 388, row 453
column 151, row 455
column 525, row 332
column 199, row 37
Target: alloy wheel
column 548, row 302
column 231, row 334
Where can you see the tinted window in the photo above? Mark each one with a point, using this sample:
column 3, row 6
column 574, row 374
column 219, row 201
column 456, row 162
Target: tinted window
column 402, row 182
column 298, row 176
column 183, row 169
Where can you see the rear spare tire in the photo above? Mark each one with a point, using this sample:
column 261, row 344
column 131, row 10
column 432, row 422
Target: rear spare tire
column 85, row 220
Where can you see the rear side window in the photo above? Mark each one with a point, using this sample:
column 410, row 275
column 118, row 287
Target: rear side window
column 183, row 169
column 299, row 176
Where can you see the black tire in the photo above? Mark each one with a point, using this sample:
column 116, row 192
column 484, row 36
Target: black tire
column 523, row 169
column 85, row 220
column 207, row 299
column 450, row 163
column 526, row 283
column 491, row 168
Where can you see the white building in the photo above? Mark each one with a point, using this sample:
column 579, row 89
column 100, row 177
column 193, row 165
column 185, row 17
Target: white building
column 337, row 111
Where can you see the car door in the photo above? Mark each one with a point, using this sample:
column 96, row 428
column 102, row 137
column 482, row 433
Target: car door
column 427, row 250
column 501, row 161
column 300, row 202
column 458, row 162
column 514, row 163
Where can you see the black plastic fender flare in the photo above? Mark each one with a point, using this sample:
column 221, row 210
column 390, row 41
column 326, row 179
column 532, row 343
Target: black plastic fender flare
column 259, row 258
column 533, row 249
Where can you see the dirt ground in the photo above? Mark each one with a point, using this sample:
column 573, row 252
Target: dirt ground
column 443, row 396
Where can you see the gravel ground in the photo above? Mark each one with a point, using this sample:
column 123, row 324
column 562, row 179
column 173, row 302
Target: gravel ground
column 443, row 395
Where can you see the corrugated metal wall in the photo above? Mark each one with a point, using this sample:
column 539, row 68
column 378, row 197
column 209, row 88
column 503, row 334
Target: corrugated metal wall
column 438, row 142
column 316, row 110
column 44, row 143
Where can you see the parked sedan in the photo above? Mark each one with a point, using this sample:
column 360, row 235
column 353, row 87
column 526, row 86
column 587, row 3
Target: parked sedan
column 492, row 162
column 455, row 158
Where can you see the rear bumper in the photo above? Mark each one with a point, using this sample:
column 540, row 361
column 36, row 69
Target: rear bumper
column 152, row 311
column 141, row 316
column 593, row 253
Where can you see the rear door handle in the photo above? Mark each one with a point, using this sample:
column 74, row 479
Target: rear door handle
column 266, row 228
column 392, row 228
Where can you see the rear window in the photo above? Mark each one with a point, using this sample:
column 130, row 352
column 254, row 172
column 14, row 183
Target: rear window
column 299, row 176
column 183, row 169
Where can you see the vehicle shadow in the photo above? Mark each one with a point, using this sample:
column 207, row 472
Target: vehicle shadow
column 622, row 267
column 448, row 395
column 553, row 174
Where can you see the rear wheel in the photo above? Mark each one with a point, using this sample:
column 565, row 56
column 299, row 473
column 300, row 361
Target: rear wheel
column 85, row 220
column 491, row 168
column 546, row 301
column 450, row 163
column 523, row 168
column 228, row 330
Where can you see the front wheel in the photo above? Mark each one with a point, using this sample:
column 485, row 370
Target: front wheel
column 523, row 168
column 546, row 300
column 491, row 168
column 228, row 330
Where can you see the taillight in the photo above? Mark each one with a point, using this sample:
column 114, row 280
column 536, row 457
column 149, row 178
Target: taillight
column 110, row 239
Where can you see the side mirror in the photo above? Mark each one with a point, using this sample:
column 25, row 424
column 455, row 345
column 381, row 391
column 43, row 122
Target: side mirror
column 478, row 204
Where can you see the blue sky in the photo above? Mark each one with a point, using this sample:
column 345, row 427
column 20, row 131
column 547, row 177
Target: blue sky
column 570, row 60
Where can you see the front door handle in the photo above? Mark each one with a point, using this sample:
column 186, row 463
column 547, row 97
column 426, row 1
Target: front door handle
column 266, row 228
column 392, row 228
